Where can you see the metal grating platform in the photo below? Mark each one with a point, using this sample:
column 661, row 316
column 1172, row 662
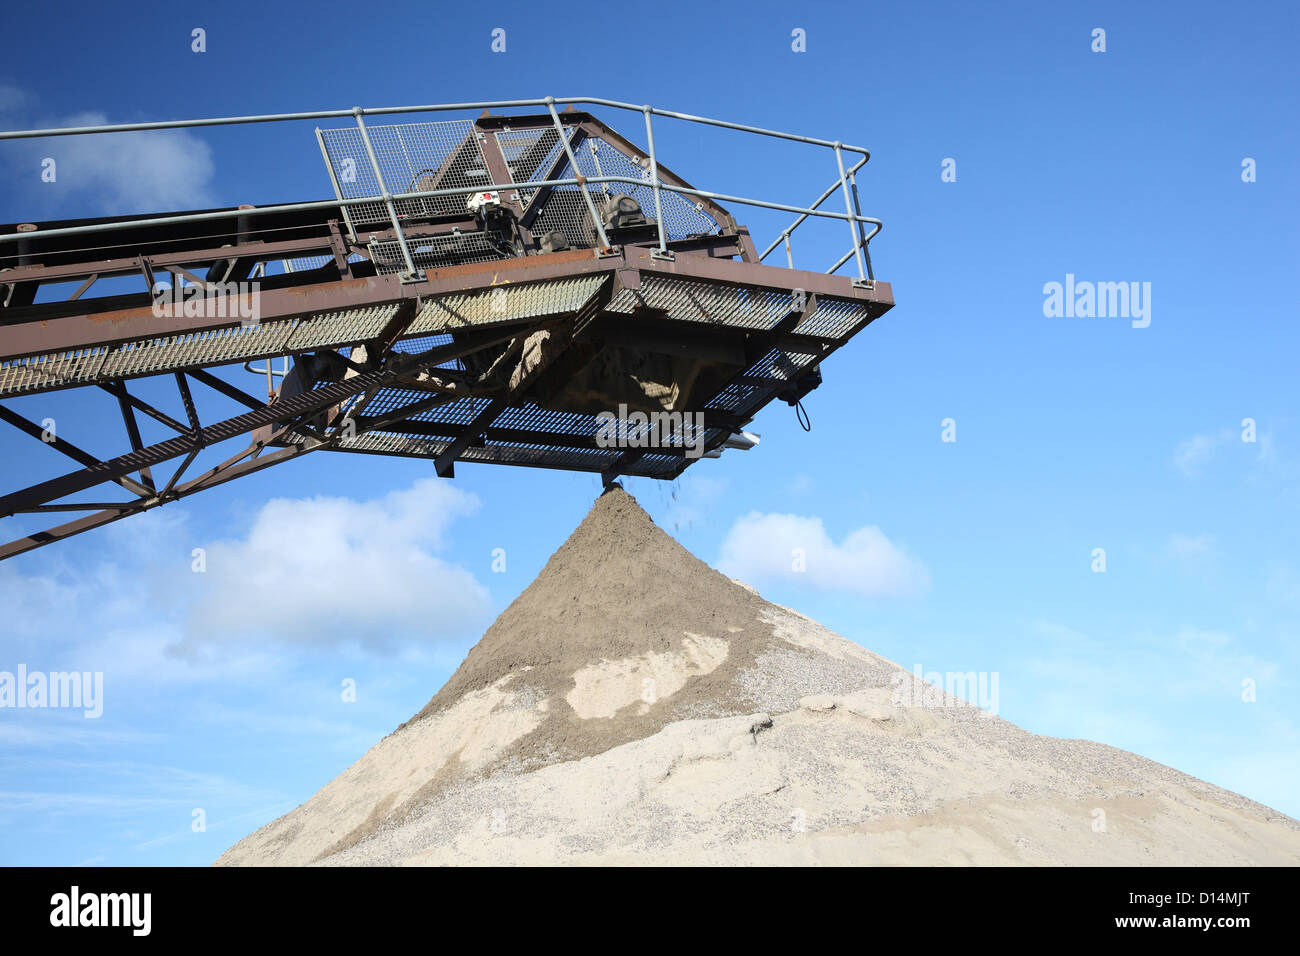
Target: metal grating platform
column 505, row 303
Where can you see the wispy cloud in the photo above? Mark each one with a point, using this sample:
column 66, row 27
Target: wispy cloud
column 801, row 483
column 1235, row 728
column 1189, row 552
column 1194, row 453
column 12, row 98
column 130, row 788
column 261, row 813
column 1190, row 663
column 66, row 730
column 1282, row 585
column 1184, row 545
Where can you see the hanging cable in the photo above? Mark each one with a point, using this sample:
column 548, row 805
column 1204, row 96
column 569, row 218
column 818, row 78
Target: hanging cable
column 802, row 415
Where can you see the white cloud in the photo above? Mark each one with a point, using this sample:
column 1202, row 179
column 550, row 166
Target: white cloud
column 308, row 573
column 325, row 571
column 126, row 173
column 767, row 547
column 109, row 173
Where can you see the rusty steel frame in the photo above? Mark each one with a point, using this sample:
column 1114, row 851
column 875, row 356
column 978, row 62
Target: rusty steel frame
column 329, row 414
column 271, row 419
column 139, row 323
column 274, row 421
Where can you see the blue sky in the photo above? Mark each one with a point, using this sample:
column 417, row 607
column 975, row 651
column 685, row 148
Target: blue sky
column 1072, row 433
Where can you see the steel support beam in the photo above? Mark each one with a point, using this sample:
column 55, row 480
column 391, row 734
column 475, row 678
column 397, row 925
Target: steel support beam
column 280, row 412
column 71, row 450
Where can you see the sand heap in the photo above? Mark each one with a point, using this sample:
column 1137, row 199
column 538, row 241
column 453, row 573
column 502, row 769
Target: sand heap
column 635, row 706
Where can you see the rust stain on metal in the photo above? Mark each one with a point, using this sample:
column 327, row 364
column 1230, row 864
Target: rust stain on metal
column 122, row 315
column 328, row 287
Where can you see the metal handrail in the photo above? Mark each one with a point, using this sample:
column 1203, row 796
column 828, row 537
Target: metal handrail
column 426, row 194
column 830, row 191
column 861, row 239
column 843, row 181
column 442, row 107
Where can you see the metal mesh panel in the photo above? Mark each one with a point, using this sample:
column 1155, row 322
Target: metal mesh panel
column 505, row 303
column 433, row 252
column 308, row 263
column 535, row 418
column 39, row 372
column 661, row 430
column 564, row 209
column 412, row 157
column 166, row 353
column 530, row 155
column 737, row 397
column 744, row 399
column 543, row 456
column 532, row 455
column 208, row 347
column 745, row 307
column 659, row 466
column 390, row 399
column 390, row 443
column 559, row 435
column 462, row 411
column 422, row 343
column 203, row 347
column 683, row 216
column 781, row 365
column 834, row 318
column 546, row 424
column 546, row 438
column 336, row 328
